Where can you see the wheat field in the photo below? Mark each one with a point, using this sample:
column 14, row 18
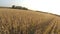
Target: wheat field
column 14, row 21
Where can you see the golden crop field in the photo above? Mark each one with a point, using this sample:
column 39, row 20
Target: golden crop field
column 14, row 21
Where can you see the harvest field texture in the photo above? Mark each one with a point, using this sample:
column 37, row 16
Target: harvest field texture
column 14, row 21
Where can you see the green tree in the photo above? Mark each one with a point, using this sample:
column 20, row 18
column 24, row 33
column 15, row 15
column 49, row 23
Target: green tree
column 13, row 6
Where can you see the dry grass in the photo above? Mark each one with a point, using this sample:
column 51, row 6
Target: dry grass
column 14, row 21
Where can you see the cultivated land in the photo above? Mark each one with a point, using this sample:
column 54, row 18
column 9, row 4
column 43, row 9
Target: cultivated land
column 14, row 21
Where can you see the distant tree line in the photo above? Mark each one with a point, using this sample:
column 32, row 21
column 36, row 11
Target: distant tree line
column 48, row 13
column 19, row 7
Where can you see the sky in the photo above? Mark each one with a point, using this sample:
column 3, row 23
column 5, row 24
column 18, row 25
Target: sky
column 50, row 6
column 9, row 3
